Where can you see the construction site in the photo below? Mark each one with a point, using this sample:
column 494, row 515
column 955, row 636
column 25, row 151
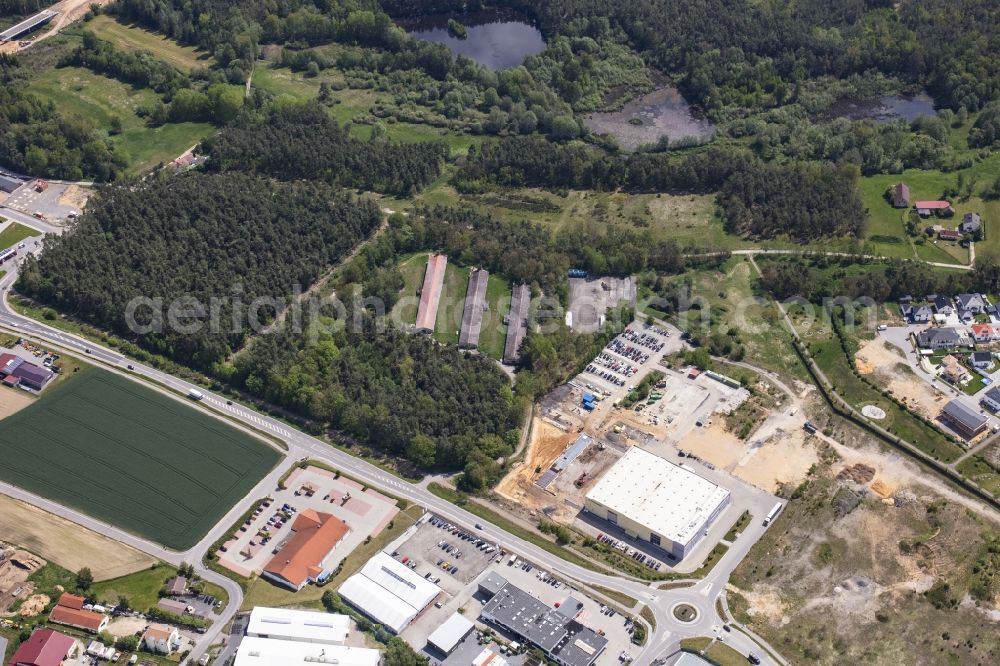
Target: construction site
column 16, row 566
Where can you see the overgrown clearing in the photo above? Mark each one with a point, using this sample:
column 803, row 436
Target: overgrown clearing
column 98, row 99
column 825, row 586
column 130, row 456
column 131, row 38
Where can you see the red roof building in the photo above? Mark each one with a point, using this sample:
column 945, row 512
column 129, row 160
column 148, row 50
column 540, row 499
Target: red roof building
column 925, row 208
column 69, row 611
column 302, row 558
column 44, row 648
column 949, row 234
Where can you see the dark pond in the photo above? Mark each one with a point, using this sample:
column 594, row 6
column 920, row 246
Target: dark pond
column 884, row 109
column 645, row 119
column 493, row 39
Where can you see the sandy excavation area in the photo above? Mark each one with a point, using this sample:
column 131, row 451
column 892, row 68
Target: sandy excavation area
column 547, row 443
column 67, row 544
column 784, row 457
column 888, row 367
column 13, row 400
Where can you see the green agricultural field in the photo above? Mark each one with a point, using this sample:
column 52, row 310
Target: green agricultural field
column 128, row 455
column 452, row 304
column 130, row 38
column 15, row 233
column 80, row 92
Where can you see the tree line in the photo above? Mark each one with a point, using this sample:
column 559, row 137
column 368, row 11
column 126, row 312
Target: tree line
column 803, row 200
column 303, row 141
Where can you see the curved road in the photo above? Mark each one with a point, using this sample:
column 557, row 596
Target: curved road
column 661, row 641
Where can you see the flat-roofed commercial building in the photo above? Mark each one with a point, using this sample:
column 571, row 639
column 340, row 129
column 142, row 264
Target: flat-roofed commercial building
column 388, row 592
column 653, row 499
column 297, row 625
column 451, row 632
column 255, row 651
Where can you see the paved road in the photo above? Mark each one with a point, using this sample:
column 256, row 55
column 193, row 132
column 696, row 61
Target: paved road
column 668, row 630
column 28, row 220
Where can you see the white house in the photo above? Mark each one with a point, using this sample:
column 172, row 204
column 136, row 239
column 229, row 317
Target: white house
column 992, row 399
column 161, row 639
column 981, row 360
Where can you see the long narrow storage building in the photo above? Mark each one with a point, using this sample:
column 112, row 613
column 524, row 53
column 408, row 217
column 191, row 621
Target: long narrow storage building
column 517, row 323
column 475, row 306
column 430, row 294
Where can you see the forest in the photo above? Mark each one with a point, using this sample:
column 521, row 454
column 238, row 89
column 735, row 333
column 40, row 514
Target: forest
column 299, row 142
column 221, row 240
column 435, row 405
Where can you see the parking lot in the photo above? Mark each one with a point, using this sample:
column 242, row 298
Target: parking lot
column 626, row 360
column 366, row 512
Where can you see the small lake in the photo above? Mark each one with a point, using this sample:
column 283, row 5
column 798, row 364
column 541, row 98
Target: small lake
column 884, row 109
column 645, row 119
column 497, row 40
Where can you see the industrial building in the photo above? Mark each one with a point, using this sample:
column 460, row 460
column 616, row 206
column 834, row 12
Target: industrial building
column 15, row 371
column 255, row 651
column 430, row 294
column 302, row 558
column 388, row 592
column 555, row 631
column 299, row 626
column 451, row 632
column 654, row 500
column 475, row 306
column 8, row 183
column 517, row 323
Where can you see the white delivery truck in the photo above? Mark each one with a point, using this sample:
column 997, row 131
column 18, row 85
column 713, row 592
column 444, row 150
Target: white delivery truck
column 195, row 394
column 772, row 514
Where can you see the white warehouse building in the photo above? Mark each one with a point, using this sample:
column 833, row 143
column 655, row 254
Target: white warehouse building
column 654, row 500
column 388, row 592
column 297, row 625
column 255, row 651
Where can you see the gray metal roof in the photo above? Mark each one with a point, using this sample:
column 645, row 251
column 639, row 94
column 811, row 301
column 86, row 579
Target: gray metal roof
column 9, row 184
column 969, row 418
column 560, row 637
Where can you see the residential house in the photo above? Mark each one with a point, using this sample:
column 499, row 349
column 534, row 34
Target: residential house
column 45, row 647
column 917, row 314
column 161, row 639
column 938, row 338
column 992, row 399
column 69, row 611
column 973, row 303
column 981, row 359
column 928, row 208
column 953, row 371
column 982, row 332
column 943, row 305
column 949, row 235
column 900, row 196
column 963, row 420
column 177, row 586
column 971, row 223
